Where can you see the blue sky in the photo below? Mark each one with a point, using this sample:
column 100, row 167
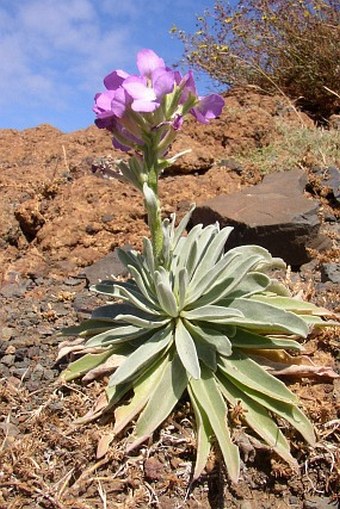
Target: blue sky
column 54, row 54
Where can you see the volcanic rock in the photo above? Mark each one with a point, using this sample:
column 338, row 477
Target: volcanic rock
column 274, row 214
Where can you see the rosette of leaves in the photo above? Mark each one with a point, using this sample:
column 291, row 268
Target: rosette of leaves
column 204, row 322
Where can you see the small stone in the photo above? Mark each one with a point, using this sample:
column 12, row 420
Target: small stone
column 8, row 360
column 6, row 333
column 330, row 272
column 10, row 350
column 154, row 469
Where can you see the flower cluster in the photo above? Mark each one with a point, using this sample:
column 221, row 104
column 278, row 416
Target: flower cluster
column 153, row 102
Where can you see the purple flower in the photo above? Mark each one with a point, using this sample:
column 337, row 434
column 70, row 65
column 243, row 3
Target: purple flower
column 209, row 107
column 133, row 107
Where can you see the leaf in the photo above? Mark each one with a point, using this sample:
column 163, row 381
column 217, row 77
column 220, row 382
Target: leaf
column 209, row 397
column 85, row 364
column 212, row 253
column 118, row 335
column 106, row 368
column 186, row 350
column 142, row 389
column 249, row 373
column 288, row 411
column 212, row 337
column 252, row 283
column 269, row 319
column 204, row 434
column 218, row 314
column 162, row 401
column 292, row 304
column 258, row 419
column 229, row 278
column 165, row 296
column 182, row 226
column 137, row 299
column 246, row 339
column 148, row 322
column 142, row 356
column 104, row 445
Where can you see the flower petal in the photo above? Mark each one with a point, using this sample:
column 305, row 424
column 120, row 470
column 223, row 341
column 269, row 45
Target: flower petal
column 136, row 87
column 148, row 61
column 114, row 80
column 209, row 107
column 143, row 106
column 163, row 82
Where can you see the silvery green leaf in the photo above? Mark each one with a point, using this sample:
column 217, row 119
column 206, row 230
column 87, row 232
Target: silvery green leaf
column 142, row 388
column 185, row 246
column 258, row 419
column 218, row 314
column 266, row 318
column 148, row 322
column 191, row 260
column 215, row 339
column 180, row 285
column 143, row 286
column 198, row 287
column 251, row 250
column 182, row 226
column 208, row 396
column 239, row 367
column 142, row 356
column 130, row 175
column 228, row 280
column 212, row 253
column 88, row 328
column 110, row 312
column 148, row 255
column 204, row 239
column 137, row 299
column 186, row 350
column 204, row 435
column 150, row 198
column 118, row 335
column 84, row 364
column 165, row 295
column 252, row 283
column 250, row 340
column 292, row 304
column 288, row 411
column 163, row 399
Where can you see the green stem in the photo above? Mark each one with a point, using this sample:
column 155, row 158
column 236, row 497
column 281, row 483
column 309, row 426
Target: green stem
column 154, row 214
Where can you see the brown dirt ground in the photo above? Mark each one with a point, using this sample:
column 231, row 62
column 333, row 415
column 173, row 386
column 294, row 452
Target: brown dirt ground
column 59, row 213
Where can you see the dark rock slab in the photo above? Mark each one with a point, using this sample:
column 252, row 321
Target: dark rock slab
column 107, row 267
column 275, row 214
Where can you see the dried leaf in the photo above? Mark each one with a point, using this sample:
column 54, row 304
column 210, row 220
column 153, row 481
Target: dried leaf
column 103, row 445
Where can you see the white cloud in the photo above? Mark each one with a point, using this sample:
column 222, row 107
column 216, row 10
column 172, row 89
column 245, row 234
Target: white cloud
column 48, row 48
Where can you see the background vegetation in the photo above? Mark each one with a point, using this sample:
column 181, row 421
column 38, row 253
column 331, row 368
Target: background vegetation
column 290, row 46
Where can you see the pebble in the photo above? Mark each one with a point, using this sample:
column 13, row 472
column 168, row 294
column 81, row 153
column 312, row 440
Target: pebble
column 8, row 360
column 6, row 333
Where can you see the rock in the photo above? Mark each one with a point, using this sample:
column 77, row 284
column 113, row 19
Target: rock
column 330, row 272
column 105, row 268
column 29, row 218
column 153, row 469
column 319, row 503
column 274, row 214
column 333, row 182
column 13, row 285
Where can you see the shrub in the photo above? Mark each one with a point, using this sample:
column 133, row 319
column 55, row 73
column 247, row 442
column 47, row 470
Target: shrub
column 288, row 45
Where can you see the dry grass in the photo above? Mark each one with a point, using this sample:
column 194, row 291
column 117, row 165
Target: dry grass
column 295, row 147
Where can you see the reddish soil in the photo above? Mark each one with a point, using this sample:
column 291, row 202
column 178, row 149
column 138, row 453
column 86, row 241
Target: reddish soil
column 62, row 209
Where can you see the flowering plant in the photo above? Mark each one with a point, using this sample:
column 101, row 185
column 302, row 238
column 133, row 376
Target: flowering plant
column 192, row 318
